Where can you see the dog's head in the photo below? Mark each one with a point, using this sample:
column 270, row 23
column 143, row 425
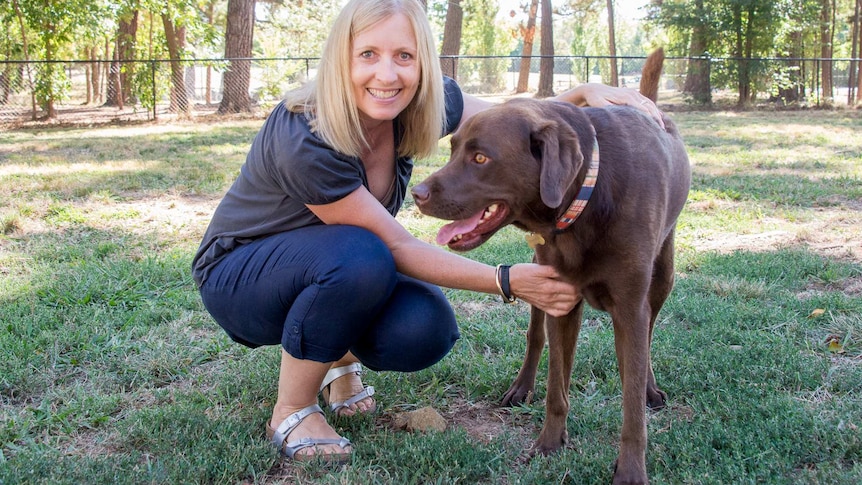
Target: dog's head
column 514, row 163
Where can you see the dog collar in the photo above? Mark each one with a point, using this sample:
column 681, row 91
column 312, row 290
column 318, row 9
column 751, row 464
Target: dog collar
column 577, row 206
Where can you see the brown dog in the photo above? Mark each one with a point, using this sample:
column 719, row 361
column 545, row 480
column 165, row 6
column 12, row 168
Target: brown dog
column 524, row 162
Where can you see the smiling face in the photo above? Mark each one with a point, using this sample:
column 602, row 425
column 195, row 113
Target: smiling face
column 384, row 68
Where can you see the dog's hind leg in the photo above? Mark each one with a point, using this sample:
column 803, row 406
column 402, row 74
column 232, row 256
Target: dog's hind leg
column 660, row 287
column 522, row 388
column 562, row 341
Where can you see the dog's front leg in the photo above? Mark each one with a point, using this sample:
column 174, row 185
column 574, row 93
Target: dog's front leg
column 631, row 339
column 522, row 388
column 562, row 341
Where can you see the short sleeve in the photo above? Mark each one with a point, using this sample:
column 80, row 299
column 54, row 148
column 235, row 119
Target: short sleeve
column 308, row 170
column 454, row 104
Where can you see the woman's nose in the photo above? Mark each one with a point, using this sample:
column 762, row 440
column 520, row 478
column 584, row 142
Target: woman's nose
column 386, row 71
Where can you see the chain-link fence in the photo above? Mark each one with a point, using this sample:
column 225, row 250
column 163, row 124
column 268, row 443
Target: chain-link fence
column 88, row 92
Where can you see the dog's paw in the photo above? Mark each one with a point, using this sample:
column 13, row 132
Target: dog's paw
column 517, row 396
column 629, row 477
column 656, row 399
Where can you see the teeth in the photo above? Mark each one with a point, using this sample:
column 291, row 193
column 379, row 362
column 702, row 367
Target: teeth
column 378, row 93
column 489, row 211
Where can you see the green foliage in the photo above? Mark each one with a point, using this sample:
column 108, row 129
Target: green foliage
column 483, row 36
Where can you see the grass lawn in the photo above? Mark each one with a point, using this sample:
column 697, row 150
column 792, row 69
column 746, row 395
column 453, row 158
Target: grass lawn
column 112, row 372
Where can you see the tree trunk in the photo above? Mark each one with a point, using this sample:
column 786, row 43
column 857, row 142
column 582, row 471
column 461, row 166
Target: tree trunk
column 612, row 45
column 742, row 81
column 126, row 36
column 827, row 22
column 114, row 96
column 238, row 46
column 697, row 84
column 210, row 21
column 546, row 65
column 176, row 40
column 452, row 38
column 529, row 34
column 859, row 51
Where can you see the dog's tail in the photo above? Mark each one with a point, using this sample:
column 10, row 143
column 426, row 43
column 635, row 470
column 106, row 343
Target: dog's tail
column 651, row 74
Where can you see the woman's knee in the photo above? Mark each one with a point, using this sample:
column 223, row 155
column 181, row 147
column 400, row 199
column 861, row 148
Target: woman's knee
column 417, row 329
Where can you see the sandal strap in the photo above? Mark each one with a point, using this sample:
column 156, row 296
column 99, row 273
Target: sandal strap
column 368, row 391
column 337, row 372
column 291, row 422
column 292, row 447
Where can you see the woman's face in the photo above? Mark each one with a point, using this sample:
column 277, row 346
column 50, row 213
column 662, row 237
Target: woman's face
column 384, row 69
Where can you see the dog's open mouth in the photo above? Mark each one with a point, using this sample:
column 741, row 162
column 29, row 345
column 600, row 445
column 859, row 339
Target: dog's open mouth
column 466, row 234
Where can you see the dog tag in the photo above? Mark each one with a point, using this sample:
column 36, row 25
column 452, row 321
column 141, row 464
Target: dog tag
column 534, row 239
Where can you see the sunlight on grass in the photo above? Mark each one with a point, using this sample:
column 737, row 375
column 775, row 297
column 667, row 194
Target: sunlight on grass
column 114, row 373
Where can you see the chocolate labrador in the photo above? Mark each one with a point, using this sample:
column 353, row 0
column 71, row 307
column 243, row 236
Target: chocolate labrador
column 599, row 191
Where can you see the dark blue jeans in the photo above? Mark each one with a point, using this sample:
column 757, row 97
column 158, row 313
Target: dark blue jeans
column 320, row 291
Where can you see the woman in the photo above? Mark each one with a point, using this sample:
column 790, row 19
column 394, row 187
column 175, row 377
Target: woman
column 305, row 251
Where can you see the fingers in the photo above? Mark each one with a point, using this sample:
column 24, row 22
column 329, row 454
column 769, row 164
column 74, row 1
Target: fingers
column 541, row 286
column 641, row 102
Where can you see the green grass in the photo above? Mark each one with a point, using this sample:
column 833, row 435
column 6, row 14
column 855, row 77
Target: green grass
column 112, row 372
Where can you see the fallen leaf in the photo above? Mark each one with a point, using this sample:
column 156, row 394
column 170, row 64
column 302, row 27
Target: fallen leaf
column 816, row 313
column 834, row 345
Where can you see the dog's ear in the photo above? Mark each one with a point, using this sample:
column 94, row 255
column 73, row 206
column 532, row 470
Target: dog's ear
column 561, row 159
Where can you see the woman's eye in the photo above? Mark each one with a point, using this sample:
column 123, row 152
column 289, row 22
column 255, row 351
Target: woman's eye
column 480, row 158
column 366, row 54
column 405, row 56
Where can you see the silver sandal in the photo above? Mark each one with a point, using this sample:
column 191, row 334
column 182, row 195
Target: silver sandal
column 335, row 373
column 279, row 435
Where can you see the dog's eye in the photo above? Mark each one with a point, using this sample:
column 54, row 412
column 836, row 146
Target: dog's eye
column 480, row 158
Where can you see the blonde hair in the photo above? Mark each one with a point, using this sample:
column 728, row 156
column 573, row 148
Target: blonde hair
column 328, row 100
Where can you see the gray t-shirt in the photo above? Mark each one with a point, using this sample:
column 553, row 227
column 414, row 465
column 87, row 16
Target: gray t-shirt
column 288, row 167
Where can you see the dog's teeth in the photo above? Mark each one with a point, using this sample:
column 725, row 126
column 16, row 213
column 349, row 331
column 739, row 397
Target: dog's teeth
column 488, row 211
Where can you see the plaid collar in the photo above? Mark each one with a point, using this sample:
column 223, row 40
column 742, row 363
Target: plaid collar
column 577, row 206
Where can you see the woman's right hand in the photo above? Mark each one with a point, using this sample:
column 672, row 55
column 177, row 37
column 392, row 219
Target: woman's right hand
column 543, row 287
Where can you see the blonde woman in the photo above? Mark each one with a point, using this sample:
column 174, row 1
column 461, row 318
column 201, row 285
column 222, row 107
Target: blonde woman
column 304, row 250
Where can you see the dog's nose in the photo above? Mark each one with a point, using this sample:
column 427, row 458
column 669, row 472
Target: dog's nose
column 420, row 193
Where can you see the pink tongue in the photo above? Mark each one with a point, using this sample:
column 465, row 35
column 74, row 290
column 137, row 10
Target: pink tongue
column 452, row 229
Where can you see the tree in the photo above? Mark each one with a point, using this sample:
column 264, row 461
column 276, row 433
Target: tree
column 452, row 38
column 122, row 69
column 546, row 48
column 612, row 45
column 697, row 78
column 827, row 30
column 858, row 50
column 528, row 34
column 175, row 37
column 741, row 29
column 238, row 50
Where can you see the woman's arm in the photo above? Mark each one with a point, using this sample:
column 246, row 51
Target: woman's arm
column 599, row 95
column 535, row 284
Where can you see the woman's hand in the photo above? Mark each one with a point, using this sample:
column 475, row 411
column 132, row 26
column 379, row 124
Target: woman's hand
column 541, row 286
column 598, row 95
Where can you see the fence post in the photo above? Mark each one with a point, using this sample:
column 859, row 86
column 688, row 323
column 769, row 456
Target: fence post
column 587, row 72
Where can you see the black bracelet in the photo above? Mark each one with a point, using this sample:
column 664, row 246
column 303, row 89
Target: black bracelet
column 502, row 277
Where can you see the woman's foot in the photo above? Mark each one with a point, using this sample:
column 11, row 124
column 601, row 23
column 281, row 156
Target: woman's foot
column 307, row 436
column 344, row 392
